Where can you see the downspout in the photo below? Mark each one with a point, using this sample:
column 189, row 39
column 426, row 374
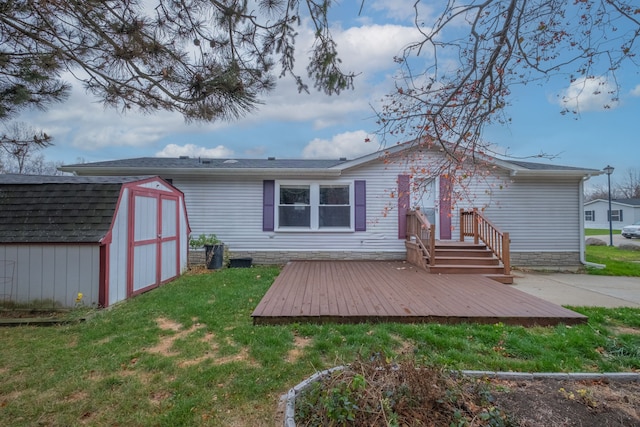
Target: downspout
column 582, row 236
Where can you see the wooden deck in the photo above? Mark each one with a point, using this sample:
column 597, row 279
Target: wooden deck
column 379, row 291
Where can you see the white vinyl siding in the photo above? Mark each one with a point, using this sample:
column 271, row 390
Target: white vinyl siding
column 540, row 214
column 630, row 214
column 232, row 209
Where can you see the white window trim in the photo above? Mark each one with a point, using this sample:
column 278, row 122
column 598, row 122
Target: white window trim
column 314, row 198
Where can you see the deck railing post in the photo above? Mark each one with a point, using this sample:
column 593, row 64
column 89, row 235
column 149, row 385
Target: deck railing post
column 432, row 244
column 475, row 226
column 506, row 253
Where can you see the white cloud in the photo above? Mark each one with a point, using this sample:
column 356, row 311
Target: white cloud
column 635, row 91
column 589, row 94
column 84, row 124
column 371, row 48
column 349, row 144
column 367, row 51
column 192, row 150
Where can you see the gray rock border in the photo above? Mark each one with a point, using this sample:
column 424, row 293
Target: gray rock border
column 289, row 399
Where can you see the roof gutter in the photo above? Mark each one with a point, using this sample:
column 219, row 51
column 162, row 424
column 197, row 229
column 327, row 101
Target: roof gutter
column 582, row 236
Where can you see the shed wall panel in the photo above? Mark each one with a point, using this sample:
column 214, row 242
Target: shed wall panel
column 53, row 275
column 144, row 272
column 118, row 249
column 168, row 264
column 169, row 218
column 146, row 218
column 184, row 234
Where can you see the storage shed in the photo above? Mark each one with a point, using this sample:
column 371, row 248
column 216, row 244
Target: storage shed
column 107, row 238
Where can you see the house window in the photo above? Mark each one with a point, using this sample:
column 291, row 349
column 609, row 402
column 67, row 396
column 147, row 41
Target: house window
column 589, row 215
column 335, row 206
column 295, row 206
column 615, row 215
column 314, row 206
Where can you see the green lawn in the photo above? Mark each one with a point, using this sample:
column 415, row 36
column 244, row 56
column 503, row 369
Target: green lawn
column 599, row 231
column 618, row 262
column 188, row 354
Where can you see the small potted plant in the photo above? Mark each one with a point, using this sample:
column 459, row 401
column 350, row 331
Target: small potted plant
column 213, row 248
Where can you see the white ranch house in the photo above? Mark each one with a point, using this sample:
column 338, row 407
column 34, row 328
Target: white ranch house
column 624, row 212
column 276, row 210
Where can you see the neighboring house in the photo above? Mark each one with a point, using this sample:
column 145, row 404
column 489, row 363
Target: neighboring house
column 275, row 210
column 107, row 238
column 623, row 212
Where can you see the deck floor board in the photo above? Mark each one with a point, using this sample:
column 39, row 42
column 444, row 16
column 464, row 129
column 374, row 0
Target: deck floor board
column 373, row 291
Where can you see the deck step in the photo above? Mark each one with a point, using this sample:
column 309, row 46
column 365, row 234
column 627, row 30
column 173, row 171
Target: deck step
column 466, row 269
column 506, row 279
column 464, row 260
column 460, row 245
column 479, row 253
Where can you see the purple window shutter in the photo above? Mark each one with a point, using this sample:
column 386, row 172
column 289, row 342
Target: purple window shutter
column 403, row 204
column 360, row 196
column 268, row 199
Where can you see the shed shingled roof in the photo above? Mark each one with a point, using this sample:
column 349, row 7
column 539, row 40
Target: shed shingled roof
column 63, row 209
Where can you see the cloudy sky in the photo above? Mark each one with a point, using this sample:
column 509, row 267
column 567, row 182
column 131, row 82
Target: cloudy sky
column 290, row 124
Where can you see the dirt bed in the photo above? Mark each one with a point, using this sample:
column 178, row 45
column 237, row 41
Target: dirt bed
column 549, row 402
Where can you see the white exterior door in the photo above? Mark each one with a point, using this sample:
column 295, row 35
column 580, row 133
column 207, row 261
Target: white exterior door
column 428, row 202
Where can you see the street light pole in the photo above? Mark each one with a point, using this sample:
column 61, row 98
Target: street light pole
column 609, row 170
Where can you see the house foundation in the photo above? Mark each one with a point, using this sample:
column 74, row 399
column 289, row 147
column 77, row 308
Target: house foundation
column 540, row 259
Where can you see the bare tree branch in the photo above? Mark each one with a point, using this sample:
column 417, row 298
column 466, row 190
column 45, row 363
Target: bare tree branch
column 458, row 78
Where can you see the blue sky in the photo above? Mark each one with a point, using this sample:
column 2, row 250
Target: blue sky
column 293, row 125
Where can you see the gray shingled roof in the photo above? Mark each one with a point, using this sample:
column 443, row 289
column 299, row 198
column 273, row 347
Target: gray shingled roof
column 66, row 179
column 59, row 209
column 543, row 166
column 632, row 202
column 155, row 164
column 198, row 163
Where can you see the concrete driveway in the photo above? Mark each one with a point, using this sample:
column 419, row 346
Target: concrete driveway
column 581, row 289
column 617, row 240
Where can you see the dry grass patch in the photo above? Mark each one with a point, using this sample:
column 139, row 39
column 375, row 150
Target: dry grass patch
column 164, row 347
column 299, row 344
column 618, row 330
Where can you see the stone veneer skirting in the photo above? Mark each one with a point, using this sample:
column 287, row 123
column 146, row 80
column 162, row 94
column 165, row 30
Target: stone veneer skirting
column 518, row 259
column 544, row 259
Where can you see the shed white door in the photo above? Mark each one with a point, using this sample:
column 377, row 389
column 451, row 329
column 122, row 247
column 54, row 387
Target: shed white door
column 154, row 249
